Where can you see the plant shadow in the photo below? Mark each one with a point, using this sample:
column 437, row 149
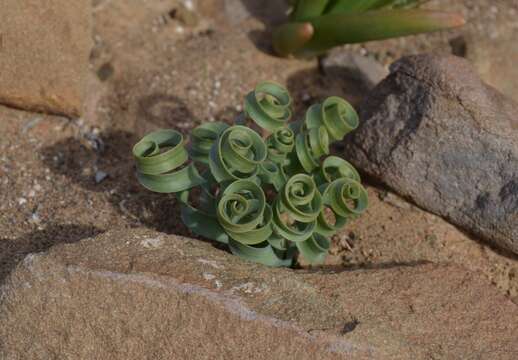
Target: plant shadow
column 270, row 13
column 12, row 251
column 310, row 86
column 73, row 156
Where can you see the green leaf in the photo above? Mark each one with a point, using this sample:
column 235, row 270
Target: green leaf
column 334, row 168
column 200, row 222
column 237, row 154
column 262, row 253
column 310, row 146
column 273, row 174
column 280, row 144
column 337, row 29
column 346, row 198
column 159, row 157
column 355, row 6
column 291, row 37
column 315, row 248
column 243, row 213
column 269, row 106
column 307, row 9
column 337, row 116
column 300, row 202
column 406, row 4
column 202, row 139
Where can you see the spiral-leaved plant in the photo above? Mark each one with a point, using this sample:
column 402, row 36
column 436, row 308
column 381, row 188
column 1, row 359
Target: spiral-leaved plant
column 267, row 195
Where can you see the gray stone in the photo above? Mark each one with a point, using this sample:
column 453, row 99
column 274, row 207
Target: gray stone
column 139, row 294
column 366, row 69
column 268, row 12
column 435, row 133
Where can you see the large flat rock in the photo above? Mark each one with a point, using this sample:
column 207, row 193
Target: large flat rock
column 138, row 294
column 44, row 49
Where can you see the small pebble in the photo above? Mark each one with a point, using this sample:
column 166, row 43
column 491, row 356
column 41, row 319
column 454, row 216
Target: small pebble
column 35, row 218
column 100, row 176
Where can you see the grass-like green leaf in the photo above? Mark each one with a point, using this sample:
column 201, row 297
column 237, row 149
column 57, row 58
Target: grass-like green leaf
column 337, row 29
column 307, row 9
column 355, row 6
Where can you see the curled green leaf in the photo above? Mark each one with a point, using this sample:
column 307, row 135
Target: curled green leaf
column 237, row 154
column 269, row 106
column 200, row 222
column 346, row 198
column 273, row 174
column 335, row 114
column 297, row 208
column 243, row 213
column 160, row 157
column 334, row 168
column 315, row 248
column 280, row 144
column 202, row 139
column 311, row 145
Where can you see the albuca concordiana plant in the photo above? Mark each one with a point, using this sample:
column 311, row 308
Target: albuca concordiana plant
column 318, row 25
column 268, row 198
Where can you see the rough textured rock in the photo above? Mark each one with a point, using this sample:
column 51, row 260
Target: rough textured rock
column 145, row 295
column 435, row 133
column 44, row 52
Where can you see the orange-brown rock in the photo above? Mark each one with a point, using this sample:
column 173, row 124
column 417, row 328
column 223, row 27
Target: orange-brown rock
column 44, row 49
column 138, row 294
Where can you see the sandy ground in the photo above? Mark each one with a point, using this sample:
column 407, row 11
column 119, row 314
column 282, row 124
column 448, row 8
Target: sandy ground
column 157, row 64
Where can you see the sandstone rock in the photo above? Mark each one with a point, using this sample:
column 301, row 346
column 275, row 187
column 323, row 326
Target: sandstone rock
column 435, row 133
column 489, row 42
column 144, row 295
column 495, row 58
column 44, row 52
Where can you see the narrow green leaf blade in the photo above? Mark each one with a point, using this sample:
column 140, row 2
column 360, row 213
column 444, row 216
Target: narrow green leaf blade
column 355, row 6
column 262, row 253
column 307, row 9
column 290, row 37
column 314, row 249
column 338, row 29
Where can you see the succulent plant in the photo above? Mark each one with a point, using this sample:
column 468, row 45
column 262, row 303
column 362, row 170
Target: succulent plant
column 318, row 25
column 260, row 186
